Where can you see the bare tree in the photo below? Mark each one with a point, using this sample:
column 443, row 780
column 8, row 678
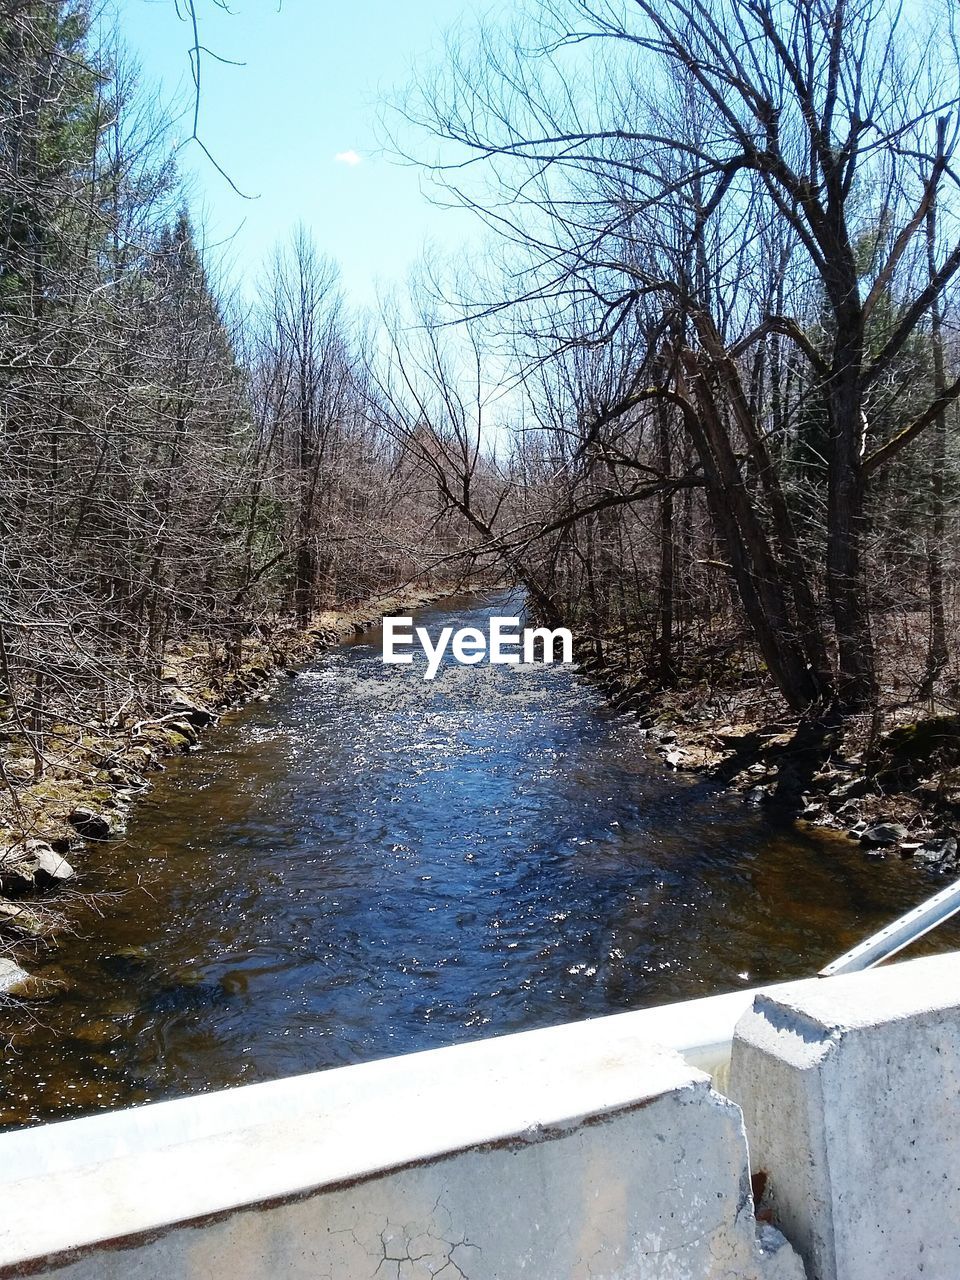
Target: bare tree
column 648, row 178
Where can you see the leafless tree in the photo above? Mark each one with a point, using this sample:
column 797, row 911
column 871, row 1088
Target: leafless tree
column 645, row 159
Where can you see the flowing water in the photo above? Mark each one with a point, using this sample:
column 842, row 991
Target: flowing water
column 371, row 863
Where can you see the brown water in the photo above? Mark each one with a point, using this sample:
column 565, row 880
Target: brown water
column 370, row 864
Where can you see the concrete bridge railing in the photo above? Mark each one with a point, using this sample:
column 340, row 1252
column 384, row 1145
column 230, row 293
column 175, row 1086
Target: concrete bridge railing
column 599, row 1149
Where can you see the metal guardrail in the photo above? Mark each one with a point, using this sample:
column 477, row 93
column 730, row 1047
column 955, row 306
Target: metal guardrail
column 899, row 934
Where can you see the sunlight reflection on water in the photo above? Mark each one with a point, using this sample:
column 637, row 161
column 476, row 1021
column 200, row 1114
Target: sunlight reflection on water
column 372, row 863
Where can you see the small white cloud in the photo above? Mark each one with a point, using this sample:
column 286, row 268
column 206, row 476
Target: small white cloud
column 349, row 158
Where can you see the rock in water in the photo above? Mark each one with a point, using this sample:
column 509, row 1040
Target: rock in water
column 11, row 975
column 16, row 917
column 884, row 834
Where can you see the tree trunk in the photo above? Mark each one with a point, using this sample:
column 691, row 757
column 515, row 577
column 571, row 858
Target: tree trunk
column 664, row 670
column 754, row 569
column 846, row 519
column 937, row 652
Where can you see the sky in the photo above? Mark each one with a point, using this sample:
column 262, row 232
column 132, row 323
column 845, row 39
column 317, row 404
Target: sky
column 296, row 127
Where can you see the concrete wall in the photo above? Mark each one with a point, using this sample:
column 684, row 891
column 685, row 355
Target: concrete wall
column 850, row 1088
column 575, row 1152
column 593, row 1150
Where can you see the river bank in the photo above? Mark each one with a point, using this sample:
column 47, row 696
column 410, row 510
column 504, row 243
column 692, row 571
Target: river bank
column 891, row 784
column 369, row 863
column 93, row 774
column 893, row 790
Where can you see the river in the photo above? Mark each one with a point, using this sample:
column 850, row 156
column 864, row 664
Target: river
column 370, row 863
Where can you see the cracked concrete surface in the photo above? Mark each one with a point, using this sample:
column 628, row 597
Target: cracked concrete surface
column 656, row 1191
column 580, row 1152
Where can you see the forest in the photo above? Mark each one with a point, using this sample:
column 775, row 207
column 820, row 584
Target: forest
column 700, row 399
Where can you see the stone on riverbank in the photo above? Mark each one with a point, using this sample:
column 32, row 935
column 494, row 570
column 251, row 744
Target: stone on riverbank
column 185, row 729
column 188, row 709
column 31, row 865
column 93, row 826
column 883, row 835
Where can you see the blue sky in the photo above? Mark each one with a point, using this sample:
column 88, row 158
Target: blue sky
column 314, row 74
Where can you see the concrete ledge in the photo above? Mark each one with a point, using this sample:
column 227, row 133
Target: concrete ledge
column 574, row 1151
column 850, row 1089
column 592, row 1150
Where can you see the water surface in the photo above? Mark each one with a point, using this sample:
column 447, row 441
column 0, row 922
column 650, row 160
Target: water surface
column 370, row 864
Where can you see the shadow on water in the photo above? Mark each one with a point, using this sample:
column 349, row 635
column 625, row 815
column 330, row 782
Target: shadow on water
column 371, row 864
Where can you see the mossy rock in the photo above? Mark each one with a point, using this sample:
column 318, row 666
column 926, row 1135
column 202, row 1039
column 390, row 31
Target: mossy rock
column 916, row 750
column 102, row 794
column 185, row 729
column 51, row 788
column 923, row 736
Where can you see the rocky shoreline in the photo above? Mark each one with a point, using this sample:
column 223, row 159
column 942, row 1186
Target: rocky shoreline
column 93, row 778
column 895, row 792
